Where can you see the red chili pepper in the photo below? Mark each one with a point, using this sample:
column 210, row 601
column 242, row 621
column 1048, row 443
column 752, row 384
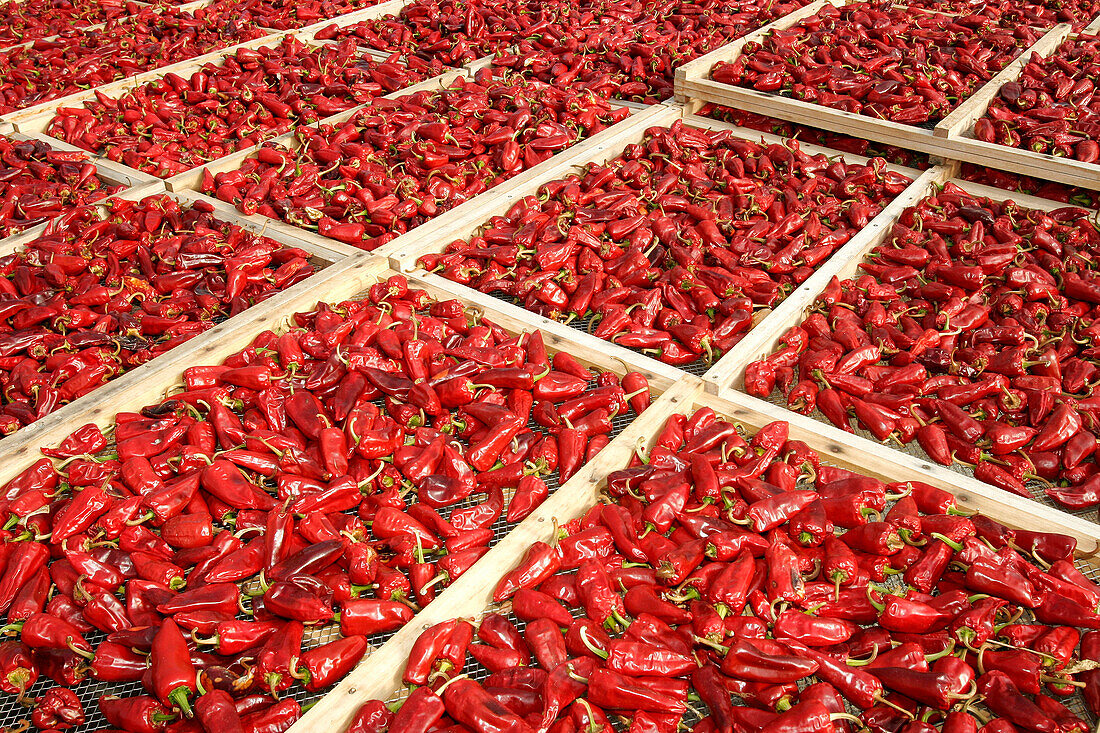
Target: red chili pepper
column 141, row 713
column 539, row 563
column 172, row 674
column 328, row 663
column 216, row 711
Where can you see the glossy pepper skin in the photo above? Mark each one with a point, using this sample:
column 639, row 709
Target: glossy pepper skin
column 171, row 671
column 328, row 663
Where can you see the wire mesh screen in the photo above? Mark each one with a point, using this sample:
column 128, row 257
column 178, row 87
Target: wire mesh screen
column 12, row 713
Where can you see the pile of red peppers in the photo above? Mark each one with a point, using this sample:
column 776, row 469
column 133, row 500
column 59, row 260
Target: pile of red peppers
column 400, row 162
column 1050, row 108
column 625, row 50
column 978, row 174
column 38, row 183
column 674, row 246
column 289, row 14
column 175, row 124
column 1039, row 14
column 879, row 60
column 25, row 21
column 150, row 38
column 274, row 515
column 631, row 51
column 969, row 331
column 748, row 576
column 455, row 32
column 101, row 293
column 1031, row 186
column 339, row 473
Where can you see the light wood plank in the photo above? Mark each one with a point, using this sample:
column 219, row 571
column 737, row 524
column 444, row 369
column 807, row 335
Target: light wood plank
column 1062, row 170
column 1026, row 162
column 966, row 114
column 815, row 115
column 485, row 62
column 506, row 316
column 762, row 339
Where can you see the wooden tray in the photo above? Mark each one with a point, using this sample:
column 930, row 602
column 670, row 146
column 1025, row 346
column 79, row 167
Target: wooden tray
column 143, row 384
column 467, row 220
column 305, row 35
column 948, row 139
column 845, row 264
